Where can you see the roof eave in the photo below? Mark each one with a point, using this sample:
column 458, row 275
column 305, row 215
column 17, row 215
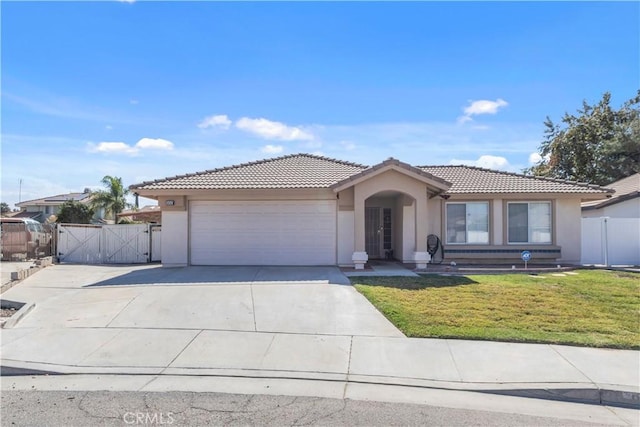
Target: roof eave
column 612, row 201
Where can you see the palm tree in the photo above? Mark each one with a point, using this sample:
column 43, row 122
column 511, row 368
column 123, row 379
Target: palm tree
column 114, row 199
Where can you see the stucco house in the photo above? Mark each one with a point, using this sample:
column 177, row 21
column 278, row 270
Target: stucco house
column 304, row 209
column 43, row 208
column 624, row 203
column 611, row 227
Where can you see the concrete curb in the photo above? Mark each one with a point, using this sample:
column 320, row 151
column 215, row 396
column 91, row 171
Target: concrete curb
column 13, row 320
column 591, row 394
column 596, row 396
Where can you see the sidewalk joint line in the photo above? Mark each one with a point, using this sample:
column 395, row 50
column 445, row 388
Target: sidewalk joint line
column 253, row 309
column 181, row 351
column 571, row 363
column 346, row 383
column 453, row 359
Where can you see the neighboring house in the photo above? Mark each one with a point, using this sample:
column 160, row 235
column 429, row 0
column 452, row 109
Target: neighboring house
column 611, row 227
column 151, row 214
column 308, row 210
column 41, row 209
column 624, row 203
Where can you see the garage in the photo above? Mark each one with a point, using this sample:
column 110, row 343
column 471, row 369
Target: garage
column 287, row 232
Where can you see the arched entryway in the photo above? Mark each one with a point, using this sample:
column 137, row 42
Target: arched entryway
column 389, row 218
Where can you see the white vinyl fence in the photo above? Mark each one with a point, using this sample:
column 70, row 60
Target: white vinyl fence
column 611, row 241
column 106, row 244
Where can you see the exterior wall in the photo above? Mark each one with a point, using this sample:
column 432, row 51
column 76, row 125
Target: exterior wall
column 568, row 229
column 345, row 237
column 392, row 181
column 627, row 209
column 434, row 217
column 409, row 232
column 345, row 231
column 345, row 200
column 566, row 242
column 175, row 240
column 496, row 230
column 415, row 217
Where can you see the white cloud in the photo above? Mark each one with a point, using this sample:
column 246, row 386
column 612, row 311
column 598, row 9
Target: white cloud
column 132, row 101
column 272, row 149
column 482, row 106
column 112, row 147
column 108, row 127
column 124, row 148
column 485, row 161
column 535, row 158
column 272, row 130
column 221, row 120
column 154, row 144
column 348, row 145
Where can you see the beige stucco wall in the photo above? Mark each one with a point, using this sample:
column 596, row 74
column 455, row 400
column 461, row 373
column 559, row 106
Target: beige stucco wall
column 392, row 180
column 345, row 237
column 565, row 228
column 175, row 238
column 412, row 221
column 568, row 229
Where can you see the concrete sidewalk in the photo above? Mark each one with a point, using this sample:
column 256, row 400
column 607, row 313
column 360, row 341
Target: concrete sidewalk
column 307, row 331
column 535, row 370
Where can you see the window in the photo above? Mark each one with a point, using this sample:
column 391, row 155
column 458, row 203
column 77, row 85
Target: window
column 468, row 223
column 529, row 222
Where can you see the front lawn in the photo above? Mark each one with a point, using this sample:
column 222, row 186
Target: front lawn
column 587, row 307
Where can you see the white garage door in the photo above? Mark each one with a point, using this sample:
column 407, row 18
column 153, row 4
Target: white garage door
column 263, row 233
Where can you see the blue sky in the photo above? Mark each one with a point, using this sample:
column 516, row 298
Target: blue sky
column 145, row 90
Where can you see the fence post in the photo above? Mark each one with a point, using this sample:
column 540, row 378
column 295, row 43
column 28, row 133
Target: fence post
column 605, row 237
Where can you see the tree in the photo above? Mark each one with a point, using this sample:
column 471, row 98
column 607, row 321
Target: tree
column 74, row 212
column 600, row 145
column 114, row 199
column 4, row 208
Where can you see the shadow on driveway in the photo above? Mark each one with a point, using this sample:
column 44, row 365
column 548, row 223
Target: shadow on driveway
column 227, row 275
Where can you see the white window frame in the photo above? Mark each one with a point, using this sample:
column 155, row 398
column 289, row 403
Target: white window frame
column 529, row 203
column 466, row 223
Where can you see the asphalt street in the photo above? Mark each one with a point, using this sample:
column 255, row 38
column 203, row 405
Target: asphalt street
column 102, row 408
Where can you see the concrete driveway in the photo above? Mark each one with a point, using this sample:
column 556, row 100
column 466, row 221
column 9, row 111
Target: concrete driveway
column 304, row 300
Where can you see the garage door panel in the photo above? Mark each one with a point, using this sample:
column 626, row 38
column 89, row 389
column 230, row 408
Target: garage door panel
column 263, row 233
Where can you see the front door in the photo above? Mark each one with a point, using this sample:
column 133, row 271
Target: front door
column 377, row 232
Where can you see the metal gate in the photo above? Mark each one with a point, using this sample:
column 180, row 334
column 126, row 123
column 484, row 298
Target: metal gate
column 105, row 244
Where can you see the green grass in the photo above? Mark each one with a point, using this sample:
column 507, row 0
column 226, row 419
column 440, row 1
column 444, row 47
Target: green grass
column 593, row 308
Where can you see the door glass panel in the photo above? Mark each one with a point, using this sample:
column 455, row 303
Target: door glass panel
column 386, row 222
column 373, row 232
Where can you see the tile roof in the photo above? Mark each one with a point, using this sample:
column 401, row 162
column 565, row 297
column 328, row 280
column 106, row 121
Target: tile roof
column 625, row 189
column 311, row 171
column 57, row 199
column 475, row 180
column 292, row 171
